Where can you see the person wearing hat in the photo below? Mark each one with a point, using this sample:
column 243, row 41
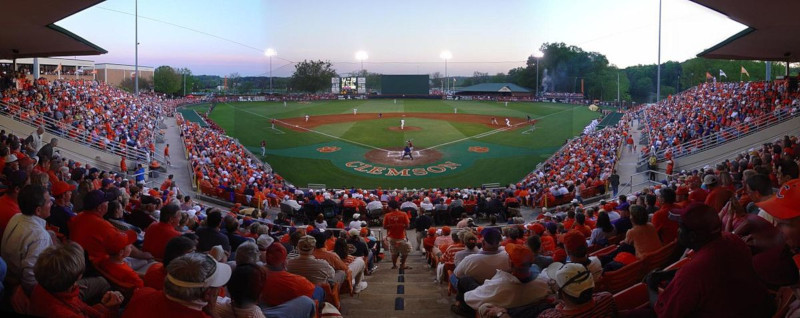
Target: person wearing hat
column 428, row 241
column 61, row 212
column 513, row 288
column 9, row 205
column 292, row 285
column 575, row 291
column 114, row 268
column 315, row 270
column 93, row 232
column 58, row 271
column 193, row 281
column 720, row 281
column 421, row 226
column 474, row 269
column 354, row 270
column 143, row 216
column 396, row 222
column 578, row 252
column 718, row 196
column 682, row 196
column 26, row 236
column 442, row 242
column 448, row 256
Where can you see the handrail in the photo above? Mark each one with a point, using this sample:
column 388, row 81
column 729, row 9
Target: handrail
column 723, row 136
column 59, row 129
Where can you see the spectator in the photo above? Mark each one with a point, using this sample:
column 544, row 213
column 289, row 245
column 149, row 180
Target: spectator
column 193, row 281
column 115, row 269
column 26, row 236
column 176, row 247
column 470, row 247
column 8, row 201
column 61, row 213
column 245, row 287
column 718, row 281
column 58, row 270
column 666, row 228
column 210, row 234
column 513, row 288
column 474, row 269
column 248, row 253
column 575, row 286
column 718, row 196
column 158, row 234
column 643, row 236
column 577, row 251
column 292, row 286
column 396, row 223
column 315, row 270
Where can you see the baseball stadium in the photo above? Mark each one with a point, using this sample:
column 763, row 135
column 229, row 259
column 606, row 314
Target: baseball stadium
column 195, row 159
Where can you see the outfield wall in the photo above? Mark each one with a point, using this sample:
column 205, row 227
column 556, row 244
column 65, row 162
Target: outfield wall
column 405, row 84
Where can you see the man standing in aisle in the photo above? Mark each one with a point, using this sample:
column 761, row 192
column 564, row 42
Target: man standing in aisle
column 396, row 222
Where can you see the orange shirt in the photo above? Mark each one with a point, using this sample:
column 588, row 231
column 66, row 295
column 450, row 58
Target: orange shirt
column 120, row 274
column 644, row 239
column 92, row 233
column 156, row 237
column 291, row 287
column 154, row 278
column 395, row 223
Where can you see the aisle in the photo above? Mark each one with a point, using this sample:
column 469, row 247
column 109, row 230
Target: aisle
column 392, row 293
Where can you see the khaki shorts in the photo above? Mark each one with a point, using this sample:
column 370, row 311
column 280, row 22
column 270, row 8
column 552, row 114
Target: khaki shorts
column 401, row 247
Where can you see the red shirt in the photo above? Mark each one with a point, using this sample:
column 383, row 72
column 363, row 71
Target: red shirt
column 92, row 232
column 154, row 278
column 718, row 197
column 156, row 237
column 8, row 208
column 148, row 302
column 395, row 223
column 719, row 282
column 291, row 287
column 667, row 229
column 63, row 304
column 120, row 274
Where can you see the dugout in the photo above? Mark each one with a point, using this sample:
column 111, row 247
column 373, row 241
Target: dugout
column 495, row 90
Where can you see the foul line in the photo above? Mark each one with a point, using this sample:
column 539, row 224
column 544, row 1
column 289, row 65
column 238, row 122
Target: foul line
column 311, row 130
column 492, row 132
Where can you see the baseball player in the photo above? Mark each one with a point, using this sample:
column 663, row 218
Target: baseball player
column 284, row 103
column 402, row 123
column 455, row 110
column 263, row 148
column 506, row 103
column 494, row 121
column 407, row 152
column 508, row 123
column 355, row 110
column 273, row 123
column 306, row 117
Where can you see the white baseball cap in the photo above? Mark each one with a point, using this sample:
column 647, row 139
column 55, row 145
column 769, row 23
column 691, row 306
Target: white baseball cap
column 571, row 278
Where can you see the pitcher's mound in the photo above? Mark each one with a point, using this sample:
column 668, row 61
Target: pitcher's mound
column 394, row 155
column 406, row 128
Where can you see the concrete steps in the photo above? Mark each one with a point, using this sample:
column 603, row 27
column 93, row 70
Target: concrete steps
column 421, row 296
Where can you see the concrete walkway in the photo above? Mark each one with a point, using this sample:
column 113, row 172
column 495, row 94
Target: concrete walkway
column 626, row 168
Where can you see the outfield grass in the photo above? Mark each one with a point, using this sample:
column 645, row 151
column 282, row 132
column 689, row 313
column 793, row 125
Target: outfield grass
column 520, row 152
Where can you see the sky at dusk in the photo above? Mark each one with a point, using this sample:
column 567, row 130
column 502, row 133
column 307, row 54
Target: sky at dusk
column 400, row 37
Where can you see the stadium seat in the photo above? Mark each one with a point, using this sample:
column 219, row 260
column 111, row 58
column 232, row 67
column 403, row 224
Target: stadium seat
column 657, row 258
column 331, row 294
column 622, row 278
column 678, row 264
column 633, row 297
column 604, row 251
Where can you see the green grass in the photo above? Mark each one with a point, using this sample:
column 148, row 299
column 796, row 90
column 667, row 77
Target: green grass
column 249, row 122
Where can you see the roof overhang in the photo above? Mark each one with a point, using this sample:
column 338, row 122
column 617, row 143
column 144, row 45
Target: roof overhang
column 30, row 31
column 772, row 33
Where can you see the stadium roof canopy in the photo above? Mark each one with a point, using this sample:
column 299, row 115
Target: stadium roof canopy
column 496, row 87
column 772, row 33
column 27, row 29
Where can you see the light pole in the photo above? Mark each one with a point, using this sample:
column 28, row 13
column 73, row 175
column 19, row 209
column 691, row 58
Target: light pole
column 537, row 55
column 658, row 66
column 270, row 53
column 446, row 55
column 361, row 56
column 136, row 50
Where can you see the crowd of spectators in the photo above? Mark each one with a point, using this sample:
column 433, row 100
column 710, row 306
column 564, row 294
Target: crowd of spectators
column 682, row 123
column 89, row 112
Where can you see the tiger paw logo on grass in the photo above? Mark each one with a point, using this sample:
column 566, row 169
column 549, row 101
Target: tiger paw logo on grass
column 328, row 149
column 478, row 149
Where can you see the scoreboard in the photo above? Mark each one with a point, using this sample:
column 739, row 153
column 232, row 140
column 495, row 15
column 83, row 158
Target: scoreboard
column 348, row 85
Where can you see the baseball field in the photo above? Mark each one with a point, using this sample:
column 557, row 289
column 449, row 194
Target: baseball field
column 359, row 143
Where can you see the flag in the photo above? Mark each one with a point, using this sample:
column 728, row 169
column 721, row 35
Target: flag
column 721, row 74
column 744, row 71
column 708, row 76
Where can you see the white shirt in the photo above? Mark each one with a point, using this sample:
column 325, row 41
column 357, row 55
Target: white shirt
column 482, row 266
column 460, row 255
column 505, row 290
column 374, row 205
column 427, row 206
column 355, row 225
column 408, row 204
column 24, row 239
column 613, row 216
column 37, row 141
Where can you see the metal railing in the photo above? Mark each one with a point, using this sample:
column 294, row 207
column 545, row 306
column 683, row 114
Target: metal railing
column 725, row 135
column 641, row 179
column 62, row 130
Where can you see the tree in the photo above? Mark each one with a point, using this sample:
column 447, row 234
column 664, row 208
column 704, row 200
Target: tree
column 312, row 76
column 185, row 76
column 436, row 80
column 166, row 80
column 373, row 79
column 128, row 83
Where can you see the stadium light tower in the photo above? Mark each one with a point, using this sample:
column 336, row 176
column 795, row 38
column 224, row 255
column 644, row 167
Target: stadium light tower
column 361, row 56
column 270, row 53
column 538, row 56
column 446, row 55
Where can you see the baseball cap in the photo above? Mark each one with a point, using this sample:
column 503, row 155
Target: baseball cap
column 218, row 277
column 698, row 217
column 445, row 230
column 264, row 241
column 106, row 182
column 571, row 278
column 519, row 255
column 276, row 254
column 491, row 235
column 11, row 158
column 61, row 187
column 306, row 245
column 710, row 179
column 784, row 205
column 353, row 232
column 94, row 199
column 115, row 245
column 432, row 231
column 573, row 240
column 18, row 178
